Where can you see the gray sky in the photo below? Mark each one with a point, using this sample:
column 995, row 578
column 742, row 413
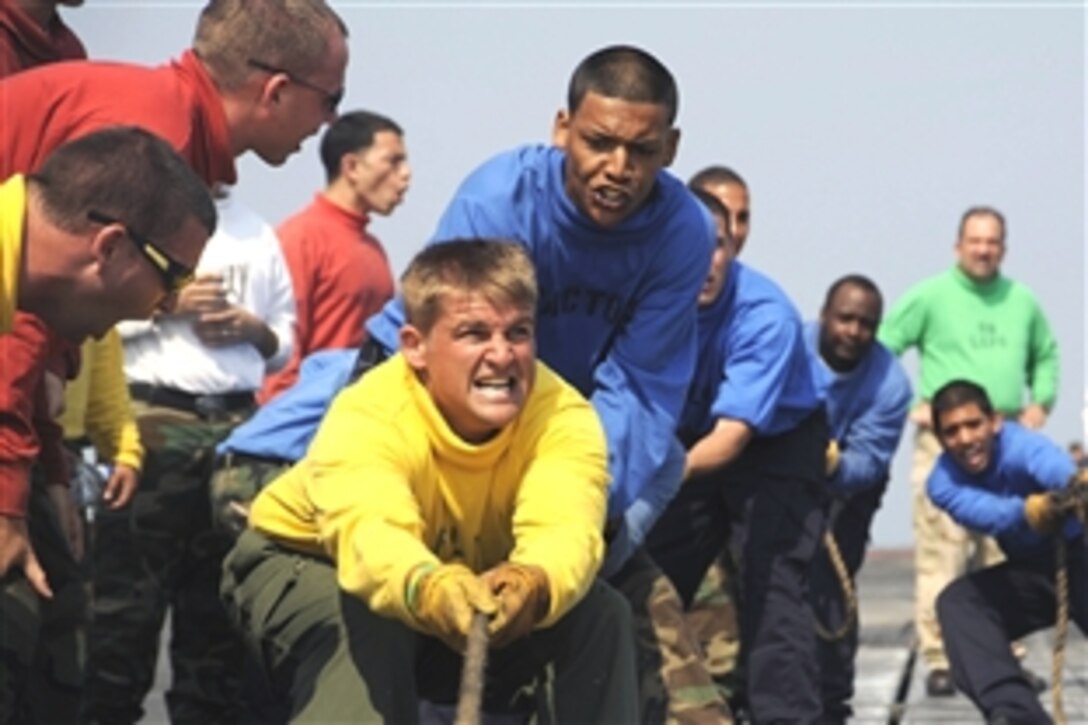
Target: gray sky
column 863, row 129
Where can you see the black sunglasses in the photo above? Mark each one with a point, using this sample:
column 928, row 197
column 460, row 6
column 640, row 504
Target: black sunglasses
column 332, row 98
column 173, row 273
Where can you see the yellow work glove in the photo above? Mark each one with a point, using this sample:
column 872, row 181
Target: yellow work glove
column 832, row 460
column 524, row 598
column 444, row 600
column 1042, row 512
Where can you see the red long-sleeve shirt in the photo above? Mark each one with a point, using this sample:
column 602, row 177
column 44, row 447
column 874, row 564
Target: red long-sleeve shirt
column 45, row 107
column 40, row 109
column 25, row 426
column 341, row 277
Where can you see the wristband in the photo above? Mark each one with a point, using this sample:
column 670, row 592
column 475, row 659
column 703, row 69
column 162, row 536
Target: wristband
column 411, row 583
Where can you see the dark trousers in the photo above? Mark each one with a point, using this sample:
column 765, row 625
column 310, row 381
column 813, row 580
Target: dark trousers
column 330, row 658
column 161, row 553
column 850, row 523
column 770, row 506
column 982, row 612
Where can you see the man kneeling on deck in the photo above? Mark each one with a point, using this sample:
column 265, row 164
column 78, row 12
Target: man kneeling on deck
column 1001, row 479
column 460, row 476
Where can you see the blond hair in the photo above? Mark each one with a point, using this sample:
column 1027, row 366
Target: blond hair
column 501, row 271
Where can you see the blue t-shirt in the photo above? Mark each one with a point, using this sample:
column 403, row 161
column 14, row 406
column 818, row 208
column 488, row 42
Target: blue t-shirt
column 616, row 316
column 866, row 411
column 752, row 364
column 283, row 428
column 1023, row 462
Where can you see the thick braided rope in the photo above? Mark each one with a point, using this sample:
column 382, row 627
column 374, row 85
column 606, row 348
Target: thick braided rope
column 1061, row 627
column 849, row 597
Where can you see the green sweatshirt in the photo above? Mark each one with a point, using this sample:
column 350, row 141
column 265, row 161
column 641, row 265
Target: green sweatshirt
column 993, row 333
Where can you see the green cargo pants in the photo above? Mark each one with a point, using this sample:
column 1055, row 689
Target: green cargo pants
column 330, row 659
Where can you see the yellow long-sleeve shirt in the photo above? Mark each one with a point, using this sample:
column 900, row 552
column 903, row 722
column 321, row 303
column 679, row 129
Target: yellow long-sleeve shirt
column 387, row 486
column 12, row 217
column 97, row 404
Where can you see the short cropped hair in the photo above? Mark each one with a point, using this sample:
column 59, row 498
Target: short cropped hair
column 853, row 280
column 627, row 73
column 983, row 211
column 288, row 34
column 126, row 173
column 715, row 206
column 955, row 394
column 714, row 175
column 351, row 132
column 499, row 270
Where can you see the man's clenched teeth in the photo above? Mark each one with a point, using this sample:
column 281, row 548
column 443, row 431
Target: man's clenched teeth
column 610, row 197
column 503, row 383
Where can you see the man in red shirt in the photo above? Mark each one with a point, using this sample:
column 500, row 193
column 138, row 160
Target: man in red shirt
column 108, row 229
column 260, row 77
column 339, row 271
column 32, row 34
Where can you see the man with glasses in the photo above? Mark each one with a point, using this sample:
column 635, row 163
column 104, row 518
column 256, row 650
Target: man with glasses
column 174, row 275
column 67, row 276
column 260, row 77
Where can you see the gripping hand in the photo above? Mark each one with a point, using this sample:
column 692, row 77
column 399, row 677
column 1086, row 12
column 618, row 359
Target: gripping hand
column 524, row 597
column 445, row 600
column 833, row 455
column 1043, row 512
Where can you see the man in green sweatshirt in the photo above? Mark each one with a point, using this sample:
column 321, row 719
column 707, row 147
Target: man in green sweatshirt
column 968, row 322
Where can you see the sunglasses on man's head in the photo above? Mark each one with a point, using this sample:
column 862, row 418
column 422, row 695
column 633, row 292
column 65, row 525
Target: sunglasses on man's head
column 173, row 273
column 332, row 98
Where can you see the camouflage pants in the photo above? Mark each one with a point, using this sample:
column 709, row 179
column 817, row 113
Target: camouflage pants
column 162, row 553
column 712, row 619
column 674, row 685
column 42, row 640
column 236, row 480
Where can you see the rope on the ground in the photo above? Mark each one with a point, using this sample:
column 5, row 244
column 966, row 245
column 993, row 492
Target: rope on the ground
column 1073, row 502
column 849, row 597
column 1061, row 627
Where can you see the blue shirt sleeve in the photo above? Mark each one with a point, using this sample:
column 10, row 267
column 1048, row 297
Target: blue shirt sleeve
column 759, row 358
column 1047, row 464
column 870, row 441
column 640, row 386
column 971, row 506
column 283, row 428
column 383, row 327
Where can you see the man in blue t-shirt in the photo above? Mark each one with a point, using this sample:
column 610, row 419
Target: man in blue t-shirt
column 998, row 478
column 867, row 397
column 756, row 436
